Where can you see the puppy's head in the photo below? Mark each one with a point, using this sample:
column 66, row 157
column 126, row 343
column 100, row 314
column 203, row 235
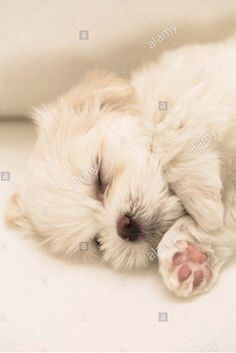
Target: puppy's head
column 92, row 177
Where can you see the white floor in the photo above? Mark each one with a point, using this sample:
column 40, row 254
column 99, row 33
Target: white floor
column 48, row 304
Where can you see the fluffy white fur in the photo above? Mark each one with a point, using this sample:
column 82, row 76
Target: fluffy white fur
column 173, row 171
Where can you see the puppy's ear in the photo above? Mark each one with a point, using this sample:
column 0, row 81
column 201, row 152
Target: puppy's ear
column 104, row 90
column 15, row 214
column 197, row 182
column 97, row 92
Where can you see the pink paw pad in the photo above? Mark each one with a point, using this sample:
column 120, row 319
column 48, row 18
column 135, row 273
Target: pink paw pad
column 192, row 261
column 184, row 272
column 195, row 255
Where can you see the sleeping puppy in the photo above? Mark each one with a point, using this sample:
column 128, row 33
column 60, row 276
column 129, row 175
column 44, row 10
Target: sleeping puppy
column 143, row 169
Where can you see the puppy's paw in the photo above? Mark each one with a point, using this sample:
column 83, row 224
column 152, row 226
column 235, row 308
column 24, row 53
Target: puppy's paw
column 186, row 268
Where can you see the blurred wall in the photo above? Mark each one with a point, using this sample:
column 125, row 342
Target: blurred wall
column 43, row 53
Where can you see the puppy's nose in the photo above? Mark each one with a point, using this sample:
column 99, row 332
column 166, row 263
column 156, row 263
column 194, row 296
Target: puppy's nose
column 128, row 229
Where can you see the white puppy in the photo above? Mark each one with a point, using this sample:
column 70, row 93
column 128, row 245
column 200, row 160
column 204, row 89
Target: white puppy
column 119, row 164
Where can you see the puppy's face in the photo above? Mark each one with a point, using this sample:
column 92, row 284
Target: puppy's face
column 93, row 179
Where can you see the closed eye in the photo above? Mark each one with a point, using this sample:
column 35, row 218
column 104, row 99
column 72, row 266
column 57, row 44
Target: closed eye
column 101, row 183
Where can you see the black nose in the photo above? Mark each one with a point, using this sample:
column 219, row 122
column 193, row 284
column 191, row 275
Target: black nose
column 128, row 229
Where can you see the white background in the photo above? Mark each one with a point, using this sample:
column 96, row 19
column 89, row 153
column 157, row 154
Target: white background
column 42, row 56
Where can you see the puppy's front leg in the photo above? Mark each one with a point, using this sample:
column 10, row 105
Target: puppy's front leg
column 190, row 259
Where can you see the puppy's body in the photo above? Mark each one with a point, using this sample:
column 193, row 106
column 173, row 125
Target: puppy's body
column 196, row 139
column 107, row 155
column 199, row 125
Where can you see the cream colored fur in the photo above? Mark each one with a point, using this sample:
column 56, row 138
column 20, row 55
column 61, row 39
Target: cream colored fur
column 173, row 170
